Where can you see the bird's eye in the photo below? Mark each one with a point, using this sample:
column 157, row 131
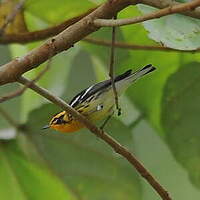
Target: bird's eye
column 58, row 121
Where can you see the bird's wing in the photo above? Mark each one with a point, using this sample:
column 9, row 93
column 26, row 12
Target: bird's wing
column 97, row 89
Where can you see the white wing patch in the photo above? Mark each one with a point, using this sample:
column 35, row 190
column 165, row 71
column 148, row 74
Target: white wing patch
column 99, row 107
column 80, row 97
column 86, row 91
column 77, row 98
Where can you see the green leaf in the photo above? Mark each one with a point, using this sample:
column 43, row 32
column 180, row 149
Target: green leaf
column 20, row 179
column 54, row 12
column 85, row 162
column 147, row 92
column 12, row 106
column 158, row 159
column 180, row 118
column 102, row 52
column 80, row 75
column 54, row 79
column 168, row 30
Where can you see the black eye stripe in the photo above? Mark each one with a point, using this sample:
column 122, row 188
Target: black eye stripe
column 58, row 120
column 54, row 119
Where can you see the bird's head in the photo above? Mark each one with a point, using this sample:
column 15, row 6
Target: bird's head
column 64, row 122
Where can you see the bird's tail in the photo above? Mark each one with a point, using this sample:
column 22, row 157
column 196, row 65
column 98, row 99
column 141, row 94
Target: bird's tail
column 145, row 70
column 126, row 79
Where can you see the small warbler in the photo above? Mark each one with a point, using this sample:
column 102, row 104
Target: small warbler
column 96, row 102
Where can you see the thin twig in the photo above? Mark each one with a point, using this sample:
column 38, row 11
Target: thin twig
column 118, row 148
column 9, row 119
column 111, row 70
column 10, row 18
column 124, row 45
column 166, row 3
column 23, row 89
column 157, row 14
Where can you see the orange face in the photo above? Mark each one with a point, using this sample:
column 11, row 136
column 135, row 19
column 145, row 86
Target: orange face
column 70, row 127
column 65, row 123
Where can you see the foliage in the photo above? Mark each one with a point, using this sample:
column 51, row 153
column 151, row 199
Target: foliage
column 46, row 164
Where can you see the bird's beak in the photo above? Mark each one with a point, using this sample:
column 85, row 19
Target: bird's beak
column 45, row 127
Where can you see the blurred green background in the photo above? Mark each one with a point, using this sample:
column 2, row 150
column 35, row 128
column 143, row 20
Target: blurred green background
column 159, row 121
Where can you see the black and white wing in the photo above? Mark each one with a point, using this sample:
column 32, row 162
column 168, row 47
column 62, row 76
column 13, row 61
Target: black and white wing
column 91, row 92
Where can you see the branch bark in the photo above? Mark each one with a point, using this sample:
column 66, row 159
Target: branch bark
column 66, row 39
column 63, row 41
column 41, row 34
column 22, row 90
column 54, row 30
column 168, row 3
column 157, row 14
column 117, row 147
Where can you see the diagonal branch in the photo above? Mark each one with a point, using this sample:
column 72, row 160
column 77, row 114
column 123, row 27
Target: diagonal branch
column 63, row 41
column 118, row 148
column 23, row 89
column 157, row 14
column 41, row 34
column 168, row 3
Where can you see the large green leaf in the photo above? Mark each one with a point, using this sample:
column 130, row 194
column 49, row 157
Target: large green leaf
column 159, row 160
column 85, row 162
column 175, row 31
column 180, row 117
column 20, row 179
column 148, row 91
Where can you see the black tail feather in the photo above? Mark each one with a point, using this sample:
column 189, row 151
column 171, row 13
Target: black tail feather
column 150, row 67
column 124, row 75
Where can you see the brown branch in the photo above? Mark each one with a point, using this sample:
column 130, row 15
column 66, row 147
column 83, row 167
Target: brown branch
column 9, row 19
column 66, row 39
column 157, row 14
column 167, row 3
column 23, row 89
column 52, row 31
column 111, row 71
column 118, row 148
column 41, row 34
column 130, row 46
column 63, row 41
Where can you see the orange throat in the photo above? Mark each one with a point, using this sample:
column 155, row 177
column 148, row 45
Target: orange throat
column 73, row 126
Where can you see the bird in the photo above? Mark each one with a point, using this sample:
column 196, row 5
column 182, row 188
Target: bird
column 96, row 102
